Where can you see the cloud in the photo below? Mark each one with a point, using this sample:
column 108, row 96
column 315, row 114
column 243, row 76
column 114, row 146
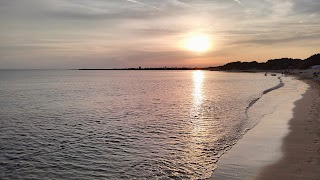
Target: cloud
column 281, row 8
column 239, row 2
column 280, row 40
column 150, row 6
column 181, row 4
column 306, row 6
column 119, row 32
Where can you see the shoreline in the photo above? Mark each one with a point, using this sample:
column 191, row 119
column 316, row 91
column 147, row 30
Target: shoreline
column 298, row 154
column 301, row 147
column 261, row 145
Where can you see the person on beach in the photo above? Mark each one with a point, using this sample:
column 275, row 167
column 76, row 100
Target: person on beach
column 315, row 74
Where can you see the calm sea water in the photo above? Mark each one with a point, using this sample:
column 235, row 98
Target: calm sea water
column 69, row 124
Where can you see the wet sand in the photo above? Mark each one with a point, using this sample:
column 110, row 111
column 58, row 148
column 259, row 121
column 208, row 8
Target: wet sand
column 261, row 146
column 301, row 147
column 295, row 150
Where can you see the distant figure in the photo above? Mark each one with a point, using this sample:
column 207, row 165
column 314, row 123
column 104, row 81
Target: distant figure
column 315, row 74
column 265, row 74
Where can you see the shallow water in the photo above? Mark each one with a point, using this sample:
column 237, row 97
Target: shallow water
column 262, row 145
column 122, row 124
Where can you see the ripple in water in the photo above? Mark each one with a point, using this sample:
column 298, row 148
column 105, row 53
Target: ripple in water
column 121, row 124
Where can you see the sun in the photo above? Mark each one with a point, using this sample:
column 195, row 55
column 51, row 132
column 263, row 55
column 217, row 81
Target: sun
column 199, row 43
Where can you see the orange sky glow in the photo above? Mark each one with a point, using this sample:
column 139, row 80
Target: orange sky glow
column 152, row 33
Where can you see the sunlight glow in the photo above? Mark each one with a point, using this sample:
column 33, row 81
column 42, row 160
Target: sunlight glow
column 198, row 43
column 198, row 126
column 198, row 77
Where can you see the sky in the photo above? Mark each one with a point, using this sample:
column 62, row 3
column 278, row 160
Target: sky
column 63, row 34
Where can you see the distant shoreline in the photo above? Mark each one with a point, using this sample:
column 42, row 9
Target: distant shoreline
column 142, row 69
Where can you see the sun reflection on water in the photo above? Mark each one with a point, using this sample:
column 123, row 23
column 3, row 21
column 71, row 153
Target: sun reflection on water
column 198, row 125
column 196, row 111
column 198, row 77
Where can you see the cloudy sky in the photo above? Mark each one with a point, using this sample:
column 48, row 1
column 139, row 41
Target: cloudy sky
column 150, row 33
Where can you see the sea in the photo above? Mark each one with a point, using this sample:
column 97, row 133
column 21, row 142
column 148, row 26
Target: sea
column 72, row 124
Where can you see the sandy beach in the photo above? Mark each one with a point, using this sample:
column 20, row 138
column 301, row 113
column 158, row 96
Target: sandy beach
column 301, row 147
column 274, row 150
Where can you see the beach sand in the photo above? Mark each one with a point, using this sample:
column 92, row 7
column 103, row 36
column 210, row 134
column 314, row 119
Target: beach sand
column 301, row 147
column 292, row 152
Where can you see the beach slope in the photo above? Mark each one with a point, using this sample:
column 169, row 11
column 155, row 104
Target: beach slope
column 301, row 147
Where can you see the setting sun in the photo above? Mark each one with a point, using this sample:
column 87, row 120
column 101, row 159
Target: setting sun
column 198, row 43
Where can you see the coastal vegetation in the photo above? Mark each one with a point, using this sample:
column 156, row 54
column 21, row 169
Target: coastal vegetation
column 273, row 64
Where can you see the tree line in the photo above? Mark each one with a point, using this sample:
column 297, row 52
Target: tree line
column 273, row 64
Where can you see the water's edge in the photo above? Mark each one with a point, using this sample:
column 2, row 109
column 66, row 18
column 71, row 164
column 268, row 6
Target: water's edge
column 259, row 145
column 251, row 103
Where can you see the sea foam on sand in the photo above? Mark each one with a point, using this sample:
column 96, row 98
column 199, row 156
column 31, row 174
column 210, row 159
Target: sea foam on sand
column 261, row 146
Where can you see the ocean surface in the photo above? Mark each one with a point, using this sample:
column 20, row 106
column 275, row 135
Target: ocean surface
column 70, row 124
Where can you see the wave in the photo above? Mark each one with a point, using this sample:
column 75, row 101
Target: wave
column 281, row 84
